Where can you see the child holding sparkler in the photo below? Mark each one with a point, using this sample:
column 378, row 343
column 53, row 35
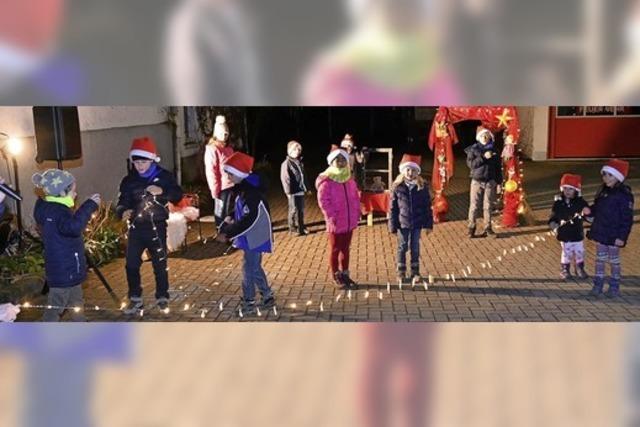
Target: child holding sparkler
column 566, row 222
column 61, row 230
column 144, row 194
column 612, row 216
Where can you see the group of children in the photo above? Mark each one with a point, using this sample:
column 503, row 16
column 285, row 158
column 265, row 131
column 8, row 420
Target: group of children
column 245, row 218
column 611, row 218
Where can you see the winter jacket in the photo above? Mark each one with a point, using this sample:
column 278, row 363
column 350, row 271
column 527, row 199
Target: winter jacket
column 214, row 158
column 340, row 204
column 410, row 208
column 292, row 176
column 565, row 210
column 251, row 229
column 133, row 196
column 612, row 213
column 61, row 230
column 482, row 169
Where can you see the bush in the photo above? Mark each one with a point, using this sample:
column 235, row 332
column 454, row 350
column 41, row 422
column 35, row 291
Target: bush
column 102, row 236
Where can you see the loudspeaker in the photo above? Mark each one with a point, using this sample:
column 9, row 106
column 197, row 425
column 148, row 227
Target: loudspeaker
column 57, row 133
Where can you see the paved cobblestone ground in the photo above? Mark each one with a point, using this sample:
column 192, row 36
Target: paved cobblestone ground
column 523, row 286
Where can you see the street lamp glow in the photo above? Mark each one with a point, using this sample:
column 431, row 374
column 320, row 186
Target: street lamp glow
column 14, row 145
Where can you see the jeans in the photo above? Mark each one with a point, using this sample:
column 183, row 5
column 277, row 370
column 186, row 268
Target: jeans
column 139, row 239
column 408, row 239
column 296, row 213
column 481, row 195
column 254, row 276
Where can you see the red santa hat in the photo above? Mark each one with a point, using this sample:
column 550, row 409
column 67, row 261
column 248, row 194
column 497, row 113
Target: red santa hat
column 144, row 147
column 571, row 181
column 618, row 168
column 410, row 161
column 239, row 164
column 481, row 130
column 347, row 141
column 335, row 152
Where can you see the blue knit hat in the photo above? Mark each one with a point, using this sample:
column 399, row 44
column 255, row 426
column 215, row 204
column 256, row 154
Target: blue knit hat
column 54, row 182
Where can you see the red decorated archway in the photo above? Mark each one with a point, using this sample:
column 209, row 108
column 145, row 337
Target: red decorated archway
column 443, row 136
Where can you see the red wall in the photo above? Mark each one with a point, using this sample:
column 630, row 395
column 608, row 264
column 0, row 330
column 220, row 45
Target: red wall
column 593, row 136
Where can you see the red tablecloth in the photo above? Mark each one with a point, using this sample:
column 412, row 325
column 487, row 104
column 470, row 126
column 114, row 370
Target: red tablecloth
column 374, row 202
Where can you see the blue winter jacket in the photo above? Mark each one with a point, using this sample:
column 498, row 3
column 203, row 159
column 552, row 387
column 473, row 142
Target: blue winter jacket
column 133, row 196
column 410, row 209
column 61, row 231
column 612, row 213
column 252, row 228
column 482, row 169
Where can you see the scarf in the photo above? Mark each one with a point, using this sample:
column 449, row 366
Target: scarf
column 338, row 175
column 411, row 184
column 66, row 200
column 149, row 172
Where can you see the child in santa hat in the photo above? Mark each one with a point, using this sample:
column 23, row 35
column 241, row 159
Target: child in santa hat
column 250, row 230
column 61, row 230
column 339, row 201
column 612, row 216
column 410, row 214
column 356, row 158
column 216, row 153
column 294, row 184
column 144, row 195
column 486, row 176
column 566, row 222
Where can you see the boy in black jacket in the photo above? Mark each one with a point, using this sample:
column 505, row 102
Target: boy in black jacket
column 294, row 185
column 566, row 222
column 486, row 178
column 144, row 194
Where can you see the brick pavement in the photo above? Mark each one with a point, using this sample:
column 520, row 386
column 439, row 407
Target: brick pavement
column 524, row 286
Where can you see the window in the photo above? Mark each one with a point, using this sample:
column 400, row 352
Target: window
column 597, row 111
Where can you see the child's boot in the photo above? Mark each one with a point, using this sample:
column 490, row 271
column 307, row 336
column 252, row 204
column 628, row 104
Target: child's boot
column 598, row 283
column 402, row 277
column 565, row 271
column 580, row 271
column 471, row 232
column 614, row 289
column 135, row 306
column 268, row 302
column 248, row 308
column 338, row 280
column 347, row 280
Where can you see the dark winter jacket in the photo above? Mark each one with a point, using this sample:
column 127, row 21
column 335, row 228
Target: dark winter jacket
column 482, row 169
column 612, row 213
column 565, row 210
column 133, row 196
column 410, row 209
column 251, row 229
column 61, row 230
column 292, row 176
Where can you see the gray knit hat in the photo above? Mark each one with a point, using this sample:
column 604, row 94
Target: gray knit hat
column 54, row 182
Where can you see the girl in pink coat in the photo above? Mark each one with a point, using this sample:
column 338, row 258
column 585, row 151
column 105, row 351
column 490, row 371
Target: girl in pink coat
column 340, row 203
column 216, row 154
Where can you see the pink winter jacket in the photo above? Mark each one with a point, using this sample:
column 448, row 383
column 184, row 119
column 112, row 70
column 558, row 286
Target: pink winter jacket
column 340, row 204
column 214, row 158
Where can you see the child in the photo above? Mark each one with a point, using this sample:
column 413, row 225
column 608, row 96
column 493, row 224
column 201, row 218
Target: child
column 356, row 159
column 410, row 214
column 216, row 153
column 486, row 174
column 250, row 230
column 340, row 203
column 612, row 216
column 294, row 185
column 61, row 229
column 144, row 194
column 566, row 221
